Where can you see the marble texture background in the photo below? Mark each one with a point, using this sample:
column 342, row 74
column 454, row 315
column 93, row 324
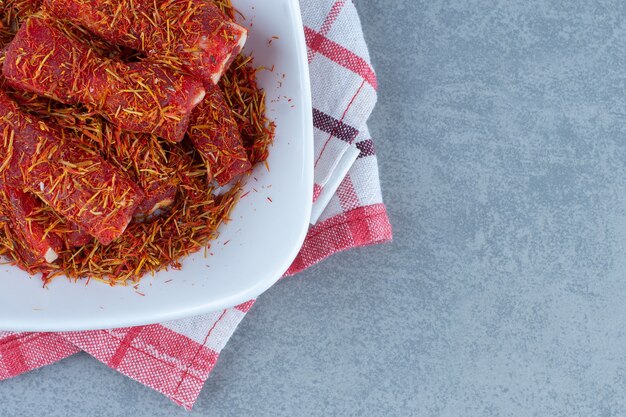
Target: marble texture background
column 501, row 130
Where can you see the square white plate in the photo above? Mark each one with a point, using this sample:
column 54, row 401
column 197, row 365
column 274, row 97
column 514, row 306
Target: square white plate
column 253, row 250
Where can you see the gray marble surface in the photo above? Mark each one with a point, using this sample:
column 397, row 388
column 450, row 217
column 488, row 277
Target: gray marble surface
column 501, row 131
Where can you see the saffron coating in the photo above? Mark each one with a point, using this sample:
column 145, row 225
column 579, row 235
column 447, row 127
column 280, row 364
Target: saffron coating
column 75, row 181
column 194, row 35
column 44, row 58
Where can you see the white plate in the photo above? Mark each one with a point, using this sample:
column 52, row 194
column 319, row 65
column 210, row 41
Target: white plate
column 262, row 239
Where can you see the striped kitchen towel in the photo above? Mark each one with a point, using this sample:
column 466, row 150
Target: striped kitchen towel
column 176, row 358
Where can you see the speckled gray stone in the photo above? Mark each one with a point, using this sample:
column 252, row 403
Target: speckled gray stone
column 501, row 130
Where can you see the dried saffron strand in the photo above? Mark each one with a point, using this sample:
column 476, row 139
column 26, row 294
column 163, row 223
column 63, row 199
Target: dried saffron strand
column 226, row 7
column 148, row 247
column 192, row 220
column 71, row 234
column 214, row 133
column 23, row 213
column 46, row 58
column 12, row 14
column 153, row 165
column 14, row 248
column 190, row 223
column 73, row 180
column 247, row 102
column 191, row 35
column 150, row 162
column 148, row 98
column 169, row 241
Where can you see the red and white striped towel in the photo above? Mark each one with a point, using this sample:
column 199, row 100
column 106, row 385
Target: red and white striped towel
column 176, row 358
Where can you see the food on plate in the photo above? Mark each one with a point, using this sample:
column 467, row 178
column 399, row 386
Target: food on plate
column 215, row 135
column 112, row 152
column 247, row 102
column 149, row 161
column 75, row 181
column 194, row 35
column 20, row 211
column 12, row 14
column 44, row 58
